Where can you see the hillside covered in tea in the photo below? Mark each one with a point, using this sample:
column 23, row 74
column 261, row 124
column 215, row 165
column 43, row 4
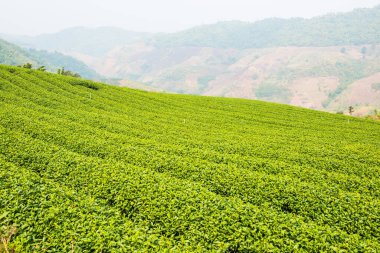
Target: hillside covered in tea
column 86, row 167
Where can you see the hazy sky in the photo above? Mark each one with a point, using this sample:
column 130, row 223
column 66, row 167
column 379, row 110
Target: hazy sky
column 42, row 16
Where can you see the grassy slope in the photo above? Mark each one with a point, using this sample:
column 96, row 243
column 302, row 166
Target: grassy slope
column 107, row 168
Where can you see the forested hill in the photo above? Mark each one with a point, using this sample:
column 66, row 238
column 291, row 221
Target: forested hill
column 327, row 63
column 14, row 55
column 358, row 27
column 89, row 41
column 86, row 167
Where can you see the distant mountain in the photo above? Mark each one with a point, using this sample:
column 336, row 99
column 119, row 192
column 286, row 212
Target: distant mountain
column 324, row 78
column 358, row 27
column 95, row 42
column 13, row 55
column 319, row 63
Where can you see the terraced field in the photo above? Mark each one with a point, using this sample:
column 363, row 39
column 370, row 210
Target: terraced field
column 86, row 167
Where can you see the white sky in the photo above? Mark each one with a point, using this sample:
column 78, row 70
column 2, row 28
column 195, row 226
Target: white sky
column 45, row 16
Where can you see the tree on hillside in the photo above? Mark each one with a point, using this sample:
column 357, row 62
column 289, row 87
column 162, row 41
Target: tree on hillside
column 42, row 68
column 26, row 65
column 351, row 109
column 64, row 72
column 61, row 71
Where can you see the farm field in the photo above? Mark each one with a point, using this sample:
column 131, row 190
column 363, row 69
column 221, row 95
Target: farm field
column 86, row 167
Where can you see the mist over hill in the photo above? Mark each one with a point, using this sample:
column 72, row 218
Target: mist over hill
column 354, row 28
column 90, row 41
column 14, row 55
column 318, row 63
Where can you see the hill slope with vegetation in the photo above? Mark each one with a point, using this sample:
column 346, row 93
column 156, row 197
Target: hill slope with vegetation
column 89, row 41
column 318, row 63
column 353, row 28
column 357, row 27
column 323, row 78
column 11, row 54
column 90, row 167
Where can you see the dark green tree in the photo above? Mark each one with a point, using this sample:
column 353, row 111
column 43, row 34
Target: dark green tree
column 27, row 65
column 42, row 68
column 351, row 109
column 61, row 71
column 64, row 72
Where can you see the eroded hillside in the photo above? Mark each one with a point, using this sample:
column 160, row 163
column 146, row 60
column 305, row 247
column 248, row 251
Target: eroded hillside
column 320, row 78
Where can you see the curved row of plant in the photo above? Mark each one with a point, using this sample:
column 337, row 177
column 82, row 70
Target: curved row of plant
column 182, row 173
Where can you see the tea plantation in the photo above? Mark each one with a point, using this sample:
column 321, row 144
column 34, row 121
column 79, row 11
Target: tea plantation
column 86, row 167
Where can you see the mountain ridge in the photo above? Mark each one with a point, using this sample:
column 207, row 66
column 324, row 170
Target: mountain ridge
column 328, row 54
column 92, row 41
column 340, row 29
column 14, row 55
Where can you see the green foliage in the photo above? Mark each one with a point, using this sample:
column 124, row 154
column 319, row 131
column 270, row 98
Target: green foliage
column 42, row 68
column 64, row 72
column 122, row 170
column 85, row 83
column 27, row 66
